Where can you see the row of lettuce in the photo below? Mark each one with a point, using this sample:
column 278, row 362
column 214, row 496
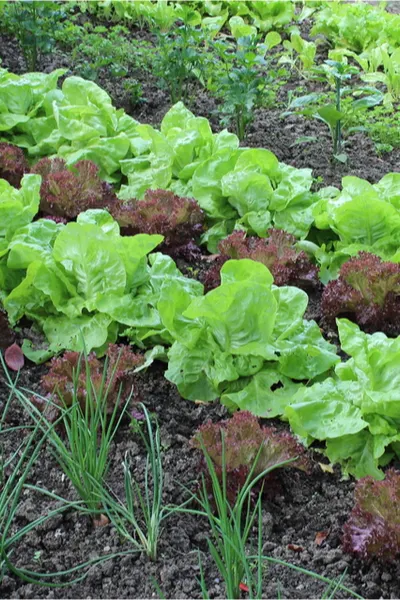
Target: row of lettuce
column 357, row 26
column 246, row 341
column 236, row 187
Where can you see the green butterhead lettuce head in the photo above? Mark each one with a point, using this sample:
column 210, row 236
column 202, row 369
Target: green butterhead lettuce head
column 364, row 216
column 84, row 278
column 17, row 207
column 357, row 413
column 241, row 339
column 22, row 98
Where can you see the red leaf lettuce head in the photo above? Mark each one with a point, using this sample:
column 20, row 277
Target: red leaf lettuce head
column 278, row 252
column 373, row 529
column 67, row 378
column 243, row 438
column 179, row 220
column 368, row 289
column 13, row 164
column 65, row 192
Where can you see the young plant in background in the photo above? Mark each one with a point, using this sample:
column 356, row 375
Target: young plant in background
column 114, row 54
column 300, row 54
column 332, row 115
column 242, row 82
column 34, row 23
column 318, row 105
column 180, row 56
column 141, row 12
column 134, row 91
column 357, row 26
column 390, row 76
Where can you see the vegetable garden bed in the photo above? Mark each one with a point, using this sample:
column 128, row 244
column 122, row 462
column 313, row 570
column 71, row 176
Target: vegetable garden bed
column 84, row 266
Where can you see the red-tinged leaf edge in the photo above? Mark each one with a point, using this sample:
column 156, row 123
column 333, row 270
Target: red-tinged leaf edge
column 14, row 357
column 295, row 548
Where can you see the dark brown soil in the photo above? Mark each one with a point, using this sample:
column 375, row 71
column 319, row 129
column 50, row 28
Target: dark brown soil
column 304, row 505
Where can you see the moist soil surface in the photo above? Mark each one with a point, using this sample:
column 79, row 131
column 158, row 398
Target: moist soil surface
column 303, row 517
column 302, row 508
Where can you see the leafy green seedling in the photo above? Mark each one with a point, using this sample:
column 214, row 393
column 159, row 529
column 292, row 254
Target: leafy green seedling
column 334, row 112
column 34, row 23
column 244, row 79
column 300, row 54
column 180, row 56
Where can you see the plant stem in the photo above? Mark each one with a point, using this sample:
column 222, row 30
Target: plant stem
column 337, row 144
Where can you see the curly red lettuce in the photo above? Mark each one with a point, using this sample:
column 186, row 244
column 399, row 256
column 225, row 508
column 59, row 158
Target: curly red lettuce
column 368, row 291
column 13, row 164
column 179, row 220
column 66, row 380
column 373, row 529
column 278, row 252
column 244, row 437
column 67, row 191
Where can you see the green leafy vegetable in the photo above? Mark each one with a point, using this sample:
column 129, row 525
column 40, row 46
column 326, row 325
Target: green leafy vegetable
column 357, row 412
column 84, row 279
column 364, row 216
column 243, row 339
column 17, row 207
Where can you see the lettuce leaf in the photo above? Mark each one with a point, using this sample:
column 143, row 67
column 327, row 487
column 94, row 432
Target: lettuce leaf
column 365, row 218
column 17, row 207
column 84, row 279
column 357, row 412
column 241, row 339
column 78, row 122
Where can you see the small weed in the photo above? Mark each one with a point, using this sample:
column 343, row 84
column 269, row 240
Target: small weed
column 34, row 23
column 179, row 59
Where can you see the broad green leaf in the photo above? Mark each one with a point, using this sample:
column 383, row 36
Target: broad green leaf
column 91, row 261
column 259, row 398
column 325, row 411
column 80, row 334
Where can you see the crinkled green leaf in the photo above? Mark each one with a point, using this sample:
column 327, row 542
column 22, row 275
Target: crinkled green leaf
column 238, row 340
column 258, row 397
column 17, row 207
